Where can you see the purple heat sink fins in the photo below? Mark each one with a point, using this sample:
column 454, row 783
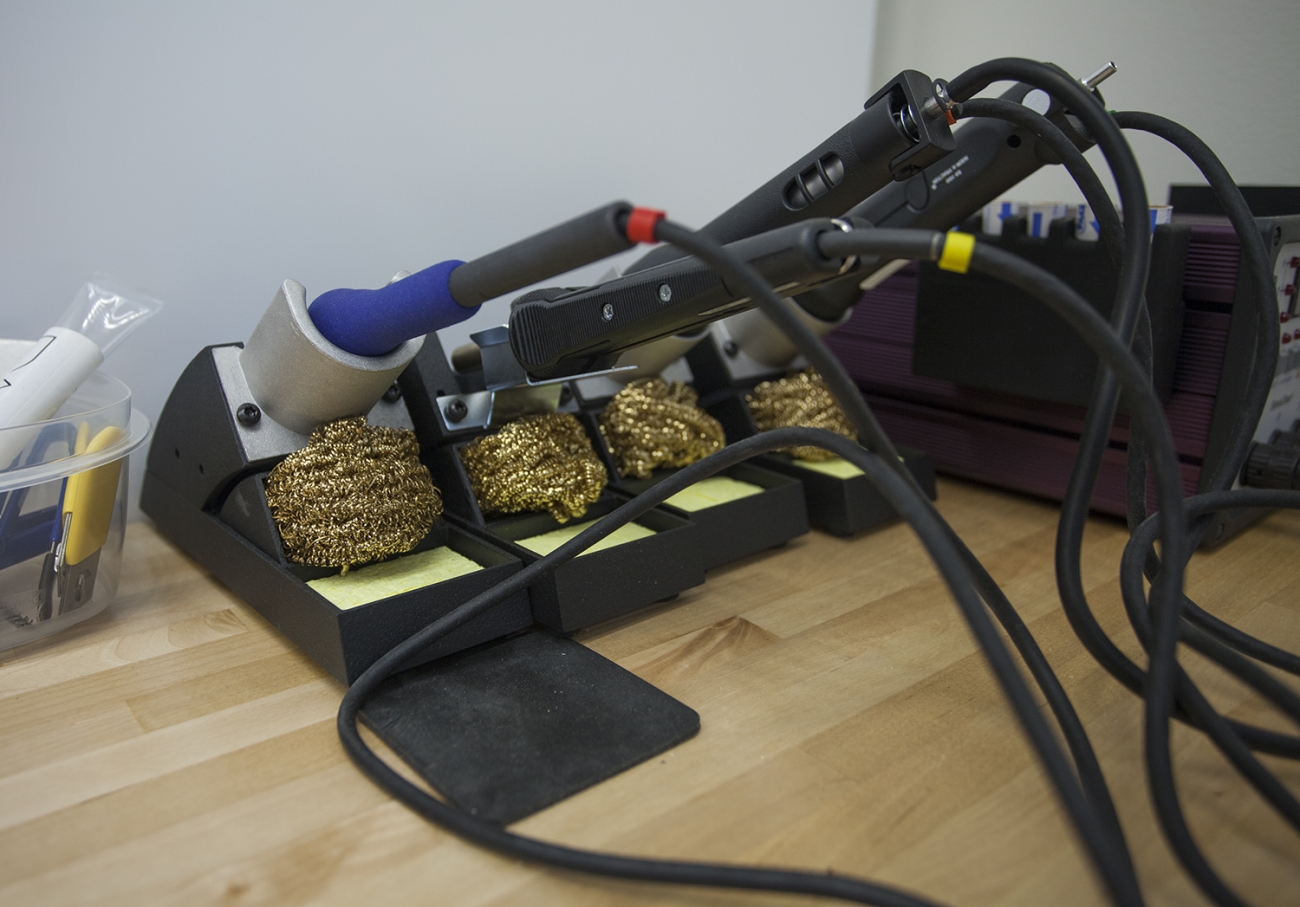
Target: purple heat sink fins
column 1212, row 258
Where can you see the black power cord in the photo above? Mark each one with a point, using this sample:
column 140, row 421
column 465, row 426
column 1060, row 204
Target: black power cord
column 1258, row 386
column 1131, row 283
column 1163, row 685
column 1126, row 315
column 1085, row 796
column 1109, row 855
column 1221, row 732
column 1263, row 366
column 1092, row 808
column 1230, row 738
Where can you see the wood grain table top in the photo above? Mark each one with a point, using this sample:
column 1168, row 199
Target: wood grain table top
column 177, row 750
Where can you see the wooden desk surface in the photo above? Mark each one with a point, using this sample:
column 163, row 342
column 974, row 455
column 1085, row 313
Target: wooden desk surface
column 177, row 750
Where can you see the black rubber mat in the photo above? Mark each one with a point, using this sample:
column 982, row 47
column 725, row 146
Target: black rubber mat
column 507, row 729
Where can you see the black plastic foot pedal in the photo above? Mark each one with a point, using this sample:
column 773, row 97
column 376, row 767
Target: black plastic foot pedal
column 510, row 728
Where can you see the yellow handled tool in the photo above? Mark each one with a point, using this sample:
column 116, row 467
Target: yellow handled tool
column 89, row 497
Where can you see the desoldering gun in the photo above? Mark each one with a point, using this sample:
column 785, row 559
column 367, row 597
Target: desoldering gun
column 902, row 130
column 990, row 157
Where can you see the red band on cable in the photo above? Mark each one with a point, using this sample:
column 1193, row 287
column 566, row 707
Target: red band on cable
column 952, row 120
column 641, row 224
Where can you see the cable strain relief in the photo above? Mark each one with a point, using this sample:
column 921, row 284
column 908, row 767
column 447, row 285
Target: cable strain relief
column 641, row 222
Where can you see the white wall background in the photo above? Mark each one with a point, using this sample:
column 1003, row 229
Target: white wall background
column 205, row 152
column 1228, row 71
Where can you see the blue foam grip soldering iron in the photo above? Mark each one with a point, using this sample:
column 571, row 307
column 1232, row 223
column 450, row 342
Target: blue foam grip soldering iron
column 375, row 322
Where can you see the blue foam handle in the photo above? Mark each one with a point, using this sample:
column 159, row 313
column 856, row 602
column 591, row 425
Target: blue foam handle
column 375, row 322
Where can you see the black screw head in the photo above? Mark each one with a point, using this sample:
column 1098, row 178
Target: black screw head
column 393, row 394
column 565, row 394
column 731, row 349
column 248, row 414
column 456, row 410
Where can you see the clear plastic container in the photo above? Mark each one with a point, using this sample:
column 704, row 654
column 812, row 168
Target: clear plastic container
column 63, row 510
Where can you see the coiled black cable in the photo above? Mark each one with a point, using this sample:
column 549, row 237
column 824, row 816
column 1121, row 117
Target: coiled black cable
column 1094, row 813
column 1131, row 283
column 1113, row 868
column 1094, row 193
column 1259, row 285
column 1162, row 683
column 1225, row 734
column 1084, row 797
column 1221, row 732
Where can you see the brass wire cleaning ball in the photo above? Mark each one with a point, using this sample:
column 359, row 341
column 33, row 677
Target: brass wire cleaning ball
column 542, row 462
column 651, row 423
column 801, row 399
column 354, row 494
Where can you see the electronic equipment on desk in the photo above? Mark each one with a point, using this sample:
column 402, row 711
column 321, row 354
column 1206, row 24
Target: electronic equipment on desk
column 238, row 412
column 815, row 233
column 994, row 388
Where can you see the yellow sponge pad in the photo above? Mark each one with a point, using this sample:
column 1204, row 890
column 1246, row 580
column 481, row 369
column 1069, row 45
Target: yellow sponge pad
column 838, row 467
column 711, row 492
column 411, row 571
column 548, row 541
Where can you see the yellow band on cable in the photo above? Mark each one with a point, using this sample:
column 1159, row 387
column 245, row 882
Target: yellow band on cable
column 957, row 250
